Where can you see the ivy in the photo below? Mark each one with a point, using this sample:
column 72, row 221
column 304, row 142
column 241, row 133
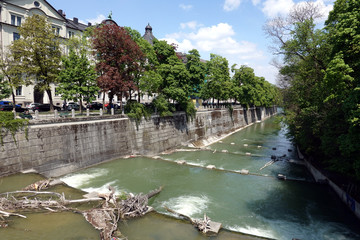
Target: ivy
column 136, row 111
column 9, row 124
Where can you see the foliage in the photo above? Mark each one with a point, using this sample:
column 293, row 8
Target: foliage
column 136, row 111
column 5, row 90
column 77, row 77
column 9, row 124
column 197, row 71
column 119, row 59
column 217, row 74
column 162, row 107
column 38, row 53
column 321, row 72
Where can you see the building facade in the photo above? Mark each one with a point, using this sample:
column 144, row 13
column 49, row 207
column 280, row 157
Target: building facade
column 12, row 14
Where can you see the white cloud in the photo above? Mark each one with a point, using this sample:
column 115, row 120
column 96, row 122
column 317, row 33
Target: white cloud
column 273, row 8
column 231, row 5
column 192, row 25
column 185, row 7
column 256, row 2
column 218, row 39
column 98, row 19
column 222, row 30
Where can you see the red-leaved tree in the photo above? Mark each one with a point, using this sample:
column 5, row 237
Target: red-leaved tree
column 118, row 59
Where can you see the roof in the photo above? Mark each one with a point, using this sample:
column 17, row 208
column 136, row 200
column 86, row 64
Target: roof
column 148, row 36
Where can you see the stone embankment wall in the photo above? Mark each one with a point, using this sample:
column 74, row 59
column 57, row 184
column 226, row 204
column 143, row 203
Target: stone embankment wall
column 59, row 146
column 352, row 204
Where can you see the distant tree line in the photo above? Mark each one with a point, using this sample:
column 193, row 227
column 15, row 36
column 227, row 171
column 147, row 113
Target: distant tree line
column 117, row 61
column 320, row 79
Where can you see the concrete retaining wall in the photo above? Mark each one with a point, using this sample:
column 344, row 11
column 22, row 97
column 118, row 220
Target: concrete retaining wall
column 353, row 205
column 59, row 146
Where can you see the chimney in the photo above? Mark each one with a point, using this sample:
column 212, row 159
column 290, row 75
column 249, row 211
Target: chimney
column 60, row 12
column 89, row 24
column 76, row 20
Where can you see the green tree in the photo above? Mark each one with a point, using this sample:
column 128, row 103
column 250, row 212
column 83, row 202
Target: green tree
column 5, row 90
column 38, row 53
column 146, row 79
column 77, row 78
column 10, row 77
column 217, row 74
column 197, row 71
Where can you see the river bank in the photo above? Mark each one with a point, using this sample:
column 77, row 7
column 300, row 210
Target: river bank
column 59, row 146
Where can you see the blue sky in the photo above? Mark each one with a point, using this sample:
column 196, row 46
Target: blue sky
column 230, row 28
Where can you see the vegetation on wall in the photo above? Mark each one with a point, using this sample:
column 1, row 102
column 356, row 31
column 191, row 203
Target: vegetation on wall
column 9, row 124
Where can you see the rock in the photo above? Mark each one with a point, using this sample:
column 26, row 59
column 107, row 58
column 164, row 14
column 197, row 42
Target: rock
column 246, row 145
column 181, row 162
column 248, row 154
column 232, row 143
column 244, row 172
column 210, row 167
column 224, row 151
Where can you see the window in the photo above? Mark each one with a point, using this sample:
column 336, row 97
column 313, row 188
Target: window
column 71, row 34
column 56, row 30
column 16, row 36
column 15, row 20
column 36, row 4
column 19, row 91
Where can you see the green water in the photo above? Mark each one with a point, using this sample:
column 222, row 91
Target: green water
column 262, row 206
column 257, row 205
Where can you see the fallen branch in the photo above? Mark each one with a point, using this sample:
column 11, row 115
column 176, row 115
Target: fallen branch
column 7, row 214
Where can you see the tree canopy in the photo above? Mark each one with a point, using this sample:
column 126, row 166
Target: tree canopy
column 38, row 53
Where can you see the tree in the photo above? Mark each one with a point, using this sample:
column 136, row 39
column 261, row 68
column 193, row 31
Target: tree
column 5, row 90
column 118, row 59
column 10, row 78
column 197, row 70
column 217, row 74
column 77, row 78
column 145, row 81
column 38, row 53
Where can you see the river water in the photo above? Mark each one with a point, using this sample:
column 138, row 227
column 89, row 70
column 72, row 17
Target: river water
column 258, row 204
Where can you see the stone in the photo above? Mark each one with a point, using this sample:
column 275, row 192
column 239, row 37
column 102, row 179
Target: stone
column 210, row 167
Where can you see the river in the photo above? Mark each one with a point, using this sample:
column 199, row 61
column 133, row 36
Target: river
column 258, row 204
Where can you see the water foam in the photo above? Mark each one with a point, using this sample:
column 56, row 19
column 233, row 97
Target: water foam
column 253, row 231
column 188, row 205
column 104, row 188
column 79, row 179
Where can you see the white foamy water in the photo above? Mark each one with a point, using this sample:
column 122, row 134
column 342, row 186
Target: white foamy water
column 199, row 164
column 188, row 205
column 105, row 188
column 78, row 180
column 253, row 231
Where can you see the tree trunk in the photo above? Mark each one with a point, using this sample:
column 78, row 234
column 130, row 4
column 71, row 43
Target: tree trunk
column 81, row 103
column 13, row 100
column 48, row 91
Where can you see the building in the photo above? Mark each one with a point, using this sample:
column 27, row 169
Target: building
column 12, row 14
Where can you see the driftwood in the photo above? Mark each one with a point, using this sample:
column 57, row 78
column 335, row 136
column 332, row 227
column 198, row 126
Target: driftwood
column 104, row 218
column 205, row 225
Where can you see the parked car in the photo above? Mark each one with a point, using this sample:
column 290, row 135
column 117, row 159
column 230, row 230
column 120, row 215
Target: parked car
column 8, row 106
column 44, row 107
column 115, row 106
column 73, row 105
column 31, row 106
column 94, row 106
